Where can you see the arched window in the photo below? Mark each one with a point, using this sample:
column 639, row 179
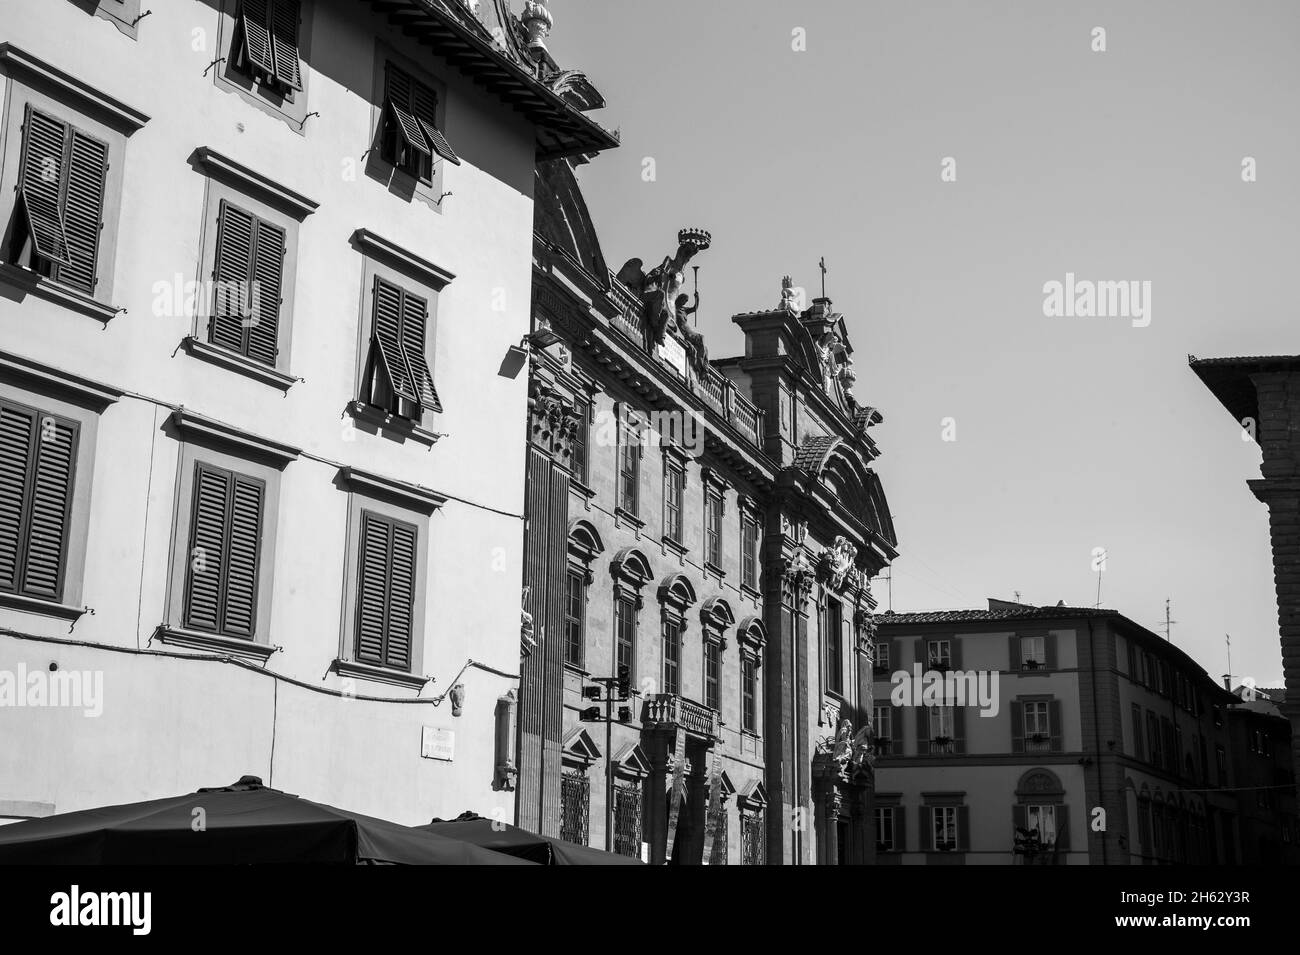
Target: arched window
column 676, row 596
column 631, row 572
column 584, row 546
column 1040, row 818
column 715, row 619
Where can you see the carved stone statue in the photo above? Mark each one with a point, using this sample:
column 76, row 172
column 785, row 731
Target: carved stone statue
column 789, row 299
column 659, row 287
column 696, row 350
column 843, row 743
column 838, row 562
column 848, row 377
column 527, row 643
column 863, row 747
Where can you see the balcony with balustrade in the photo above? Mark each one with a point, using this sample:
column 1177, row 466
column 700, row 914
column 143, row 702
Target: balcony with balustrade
column 671, row 711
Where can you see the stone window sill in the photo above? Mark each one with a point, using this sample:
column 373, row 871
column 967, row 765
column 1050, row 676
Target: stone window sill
column 38, row 285
column 48, row 608
column 365, row 671
column 216, row 643
column 392, row 424
column 238, row 363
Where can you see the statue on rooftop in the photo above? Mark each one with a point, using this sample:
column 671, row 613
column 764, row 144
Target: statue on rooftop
column 696, row 350
column 659, row 288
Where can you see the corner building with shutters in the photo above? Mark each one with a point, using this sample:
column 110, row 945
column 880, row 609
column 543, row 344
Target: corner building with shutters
column 262, row 263
column 713, row 526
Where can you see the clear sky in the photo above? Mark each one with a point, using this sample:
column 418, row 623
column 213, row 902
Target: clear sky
column 1071, row 433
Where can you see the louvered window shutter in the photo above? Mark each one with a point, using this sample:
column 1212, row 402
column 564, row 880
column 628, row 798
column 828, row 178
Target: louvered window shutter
column 959, row 729
column 40, row 184
column 399, row 97
column 1013, row 653
column 1062, row 828
column 1019, row 819
column 262, row 342
column 386, row 592
column 255, row 20
column 1017, row 727
column 1054, row 717
column 284, row 43
column 925, row 826
column 83, row 210
column 415, row 319
column 1049, row 649
column 424, row 106
column 900, row 829
column 38, row 454
column 230, row 275
column 386, row 343
column 224, row 552
column 963, row 828
column 922, row 730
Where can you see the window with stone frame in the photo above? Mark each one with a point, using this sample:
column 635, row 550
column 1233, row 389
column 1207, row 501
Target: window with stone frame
column 833, row 643
column 578, row 461
column 575, row 612
column 575, row 806
column 748, row 693
column 629, row 465
column 712, row 674
column 943, row 828
column 713, row 527
column 1033, row 653
column 753, row 837
column 939, row 654
column 627, row 818
column 674, row 487
column 672, row 656
column 886, row 838
column 882, row 724
column 749, row 544
column 625, row 633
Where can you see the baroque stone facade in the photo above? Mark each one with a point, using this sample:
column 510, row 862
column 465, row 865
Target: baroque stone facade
column 712, row 526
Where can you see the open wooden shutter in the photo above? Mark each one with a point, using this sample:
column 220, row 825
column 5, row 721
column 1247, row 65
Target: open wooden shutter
column 399, row 96
column 40, row 184
column 1017, row 727
column 1139, row 750
column 415, row 320
column 1054, row 717
column 244, row 541
column 424, row 106
column 284, row 43
column 372, row 588
column 1013, row 653
column 268, row 273
column 954, row 653
column 230, row 275
column 963, row 828
column 50, row 508
column 207, row 551
column 900, row 829
column 1019, row 819
column 255, row 20
column 83, row 210
column 17, row 429
column 1062, row 828
column 925, row 828
column 1049, row 650
column 401, row 602
column 895, row 730
column 958, row 729
column 922, row 730
column 387, row 340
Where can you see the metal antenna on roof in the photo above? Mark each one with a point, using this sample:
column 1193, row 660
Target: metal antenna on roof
column 821, row 264
column 696, row 316
column 1168, row 623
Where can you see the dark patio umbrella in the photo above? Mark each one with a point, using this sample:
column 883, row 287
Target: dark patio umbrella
column 503, row 837
column 240, row 824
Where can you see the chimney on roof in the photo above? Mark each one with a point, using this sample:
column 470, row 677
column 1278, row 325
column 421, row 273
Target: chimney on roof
column 1060, row 603
column 1227, row 682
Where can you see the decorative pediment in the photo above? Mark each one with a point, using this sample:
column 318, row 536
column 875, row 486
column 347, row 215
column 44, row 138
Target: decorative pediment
column 579, row 747
column 676, row 592
column 726, row 787
column 632, row 761
column 584, row 541
column 753, row 797
column 716, row 615
column 752, row 635
column 631, row 567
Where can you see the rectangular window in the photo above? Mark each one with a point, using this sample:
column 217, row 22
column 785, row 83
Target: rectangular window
column 882, row 724
column 38, row 455
column 1153, row 740
column 945, row 828
column 749, row 552
column 748, row 693
column 713, row 528
column 1033, row 653
column 397, row 377
column 575, row 607
column 1038, row 726
column 674, row 481
column 834, row 646
column 712, row 675
column 60, row 202
column 624, row 633
column 410, row 137
column 882, row 656
column 672, row 657
column 575, row 801
column 386, row 591
column 939, row 654
column 885, row 829
column 942, row 721
column 580, row 436
column 1139, row 751
column 224, row 550
column 247, row 276
column 1042, row 819
column 629, row 467
column 753, row 838
column 266, row 44
column 627, row 819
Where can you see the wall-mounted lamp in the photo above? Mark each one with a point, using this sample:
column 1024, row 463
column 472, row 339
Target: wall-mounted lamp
column 543, row 336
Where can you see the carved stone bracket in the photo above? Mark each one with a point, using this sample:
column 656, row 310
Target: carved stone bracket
column 797, row 579
column 553, row 419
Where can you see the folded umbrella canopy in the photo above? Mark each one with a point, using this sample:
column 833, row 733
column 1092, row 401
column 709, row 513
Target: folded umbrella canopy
column 246, row 823
column 511, row 840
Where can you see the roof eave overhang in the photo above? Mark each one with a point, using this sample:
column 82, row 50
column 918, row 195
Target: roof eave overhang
column 561, row 129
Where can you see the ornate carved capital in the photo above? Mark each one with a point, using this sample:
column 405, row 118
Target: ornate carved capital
column 797, row 579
